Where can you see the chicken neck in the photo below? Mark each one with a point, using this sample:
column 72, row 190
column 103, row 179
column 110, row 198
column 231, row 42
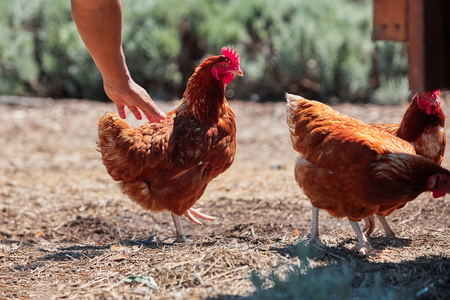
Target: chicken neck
column 204, row 98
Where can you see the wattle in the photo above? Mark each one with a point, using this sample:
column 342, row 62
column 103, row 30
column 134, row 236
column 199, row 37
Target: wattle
column 228, row 78
column 438, row 193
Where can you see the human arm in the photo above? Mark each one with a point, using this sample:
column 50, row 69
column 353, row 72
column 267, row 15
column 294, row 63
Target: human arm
column 99, row 23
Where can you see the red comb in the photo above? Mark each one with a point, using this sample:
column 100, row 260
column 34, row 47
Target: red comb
column 437, row 93
column 231, row 55
column 432, row 95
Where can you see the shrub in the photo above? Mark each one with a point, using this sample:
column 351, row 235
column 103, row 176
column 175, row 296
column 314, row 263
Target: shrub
column 320, row 48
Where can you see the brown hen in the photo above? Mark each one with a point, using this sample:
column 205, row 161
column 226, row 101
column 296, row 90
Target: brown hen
column 422, row 126
column 168, row 165
column 355, row 170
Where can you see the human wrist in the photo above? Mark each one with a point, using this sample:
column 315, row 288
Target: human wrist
column 117, row 79
column 114, row 69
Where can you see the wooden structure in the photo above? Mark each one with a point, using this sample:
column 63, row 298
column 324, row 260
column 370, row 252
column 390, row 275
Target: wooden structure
column 423, row 25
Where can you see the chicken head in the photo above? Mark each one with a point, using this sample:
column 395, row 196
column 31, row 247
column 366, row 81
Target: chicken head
column 227, row 68
column 429, row 101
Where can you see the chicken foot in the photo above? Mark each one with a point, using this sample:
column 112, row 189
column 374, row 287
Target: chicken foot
column 387, row 228
column 364, row 246
column 181, row 238
column 369, row 225
column 191, row 214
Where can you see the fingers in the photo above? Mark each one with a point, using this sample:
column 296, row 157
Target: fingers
column 135, row 112
column 136, row 99
column 152, row 112
column 152, row 117
column 121, row 111
column 155, row 116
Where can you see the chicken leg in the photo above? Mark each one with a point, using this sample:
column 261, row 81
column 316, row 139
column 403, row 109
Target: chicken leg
column 387, row 228
column 369, row 225
column 314, row 236
column 363, row 244
column 181, row 238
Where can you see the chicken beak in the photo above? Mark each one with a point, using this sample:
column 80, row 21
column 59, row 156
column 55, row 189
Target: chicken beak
column 237, row 72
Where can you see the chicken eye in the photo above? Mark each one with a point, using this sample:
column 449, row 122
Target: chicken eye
column 224, row 65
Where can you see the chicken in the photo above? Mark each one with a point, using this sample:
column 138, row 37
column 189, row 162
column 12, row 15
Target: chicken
column 422, row 126
column 168, row 165
column 354, row 170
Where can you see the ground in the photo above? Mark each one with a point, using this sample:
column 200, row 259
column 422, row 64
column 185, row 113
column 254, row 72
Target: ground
column 67, row 231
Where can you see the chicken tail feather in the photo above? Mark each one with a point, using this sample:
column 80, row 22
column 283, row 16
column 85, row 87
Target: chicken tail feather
column 113, row 133
column 110, row 126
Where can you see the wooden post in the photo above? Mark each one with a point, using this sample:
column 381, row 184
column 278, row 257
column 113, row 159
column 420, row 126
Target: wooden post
column 390, row 20
column 423, row 24
column 416, row 47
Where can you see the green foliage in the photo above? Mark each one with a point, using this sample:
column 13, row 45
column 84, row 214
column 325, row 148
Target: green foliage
column 391, row 91
column 393, row 88
column 65, row 64
column 16, row 48
column 319, row 49
column 336, row 282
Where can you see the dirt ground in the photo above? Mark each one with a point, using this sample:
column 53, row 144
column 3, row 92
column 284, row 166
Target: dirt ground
column 66, row 230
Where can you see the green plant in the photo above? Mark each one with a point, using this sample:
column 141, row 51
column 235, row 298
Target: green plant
column 333, row 281
column 319, row 49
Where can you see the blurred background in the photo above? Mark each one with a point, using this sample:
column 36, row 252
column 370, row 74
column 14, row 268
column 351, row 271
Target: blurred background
column 320, row 49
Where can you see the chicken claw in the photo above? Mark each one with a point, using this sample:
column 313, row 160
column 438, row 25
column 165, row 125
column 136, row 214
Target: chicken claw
column 191, row 214
column 364, row 246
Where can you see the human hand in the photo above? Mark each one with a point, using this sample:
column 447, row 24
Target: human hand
column 100, row 26
column 135, row 98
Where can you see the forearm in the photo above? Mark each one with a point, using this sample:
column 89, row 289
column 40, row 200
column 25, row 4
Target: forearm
column 99, row 23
